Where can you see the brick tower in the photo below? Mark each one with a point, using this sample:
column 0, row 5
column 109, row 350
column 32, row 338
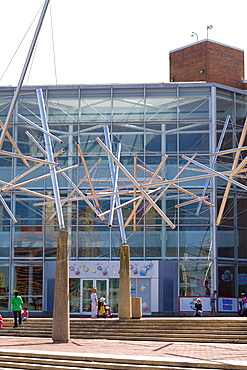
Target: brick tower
column 208, row 61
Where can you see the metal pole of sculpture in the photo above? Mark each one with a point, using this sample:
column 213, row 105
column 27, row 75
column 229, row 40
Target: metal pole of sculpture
column 113, row 176
column 131, row 178
column 124, row 300
column 61, row 322
column 214, row 161
column 17, row 91
column 234, row 165
column 48, row 147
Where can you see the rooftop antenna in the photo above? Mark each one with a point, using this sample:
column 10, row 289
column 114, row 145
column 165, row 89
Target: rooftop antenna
column 209, row 28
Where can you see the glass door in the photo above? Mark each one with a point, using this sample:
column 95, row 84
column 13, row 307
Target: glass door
column 87, row 286
column 102, row 286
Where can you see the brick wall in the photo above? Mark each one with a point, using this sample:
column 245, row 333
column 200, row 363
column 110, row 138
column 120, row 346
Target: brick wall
column 208, row 61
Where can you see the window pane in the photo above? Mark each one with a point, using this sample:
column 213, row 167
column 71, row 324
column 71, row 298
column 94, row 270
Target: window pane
column 50, row 242
column 74, row 294
column 194, row 244
column 113, row 294
column 28, row 280
column 195, row 279
column 28, row 242
column 136, row 243
column 93, row 243
column 153, row 240
column 5, row 243
column 4, row 280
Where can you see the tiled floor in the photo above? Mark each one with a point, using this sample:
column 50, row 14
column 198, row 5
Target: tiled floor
column 193, row 352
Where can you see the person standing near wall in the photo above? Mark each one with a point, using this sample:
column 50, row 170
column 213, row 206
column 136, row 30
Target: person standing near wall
column 213, row 299
column 94, row 299
column 16, row 305
column 241, row 303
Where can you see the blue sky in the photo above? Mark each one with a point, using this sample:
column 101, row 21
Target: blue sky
column 111, row 41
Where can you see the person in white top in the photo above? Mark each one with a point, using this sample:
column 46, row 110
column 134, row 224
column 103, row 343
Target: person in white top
column 213, row 300
column 94, row 299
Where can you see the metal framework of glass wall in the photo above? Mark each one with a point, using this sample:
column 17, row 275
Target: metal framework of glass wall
column 149, row 121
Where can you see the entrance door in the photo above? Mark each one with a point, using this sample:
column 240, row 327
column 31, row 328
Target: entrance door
column 102, row 286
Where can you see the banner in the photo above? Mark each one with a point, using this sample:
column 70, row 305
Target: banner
column 226, row 304
column 187, row 304
column 110, row 269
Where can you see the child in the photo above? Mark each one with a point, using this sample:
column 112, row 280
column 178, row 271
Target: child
column 25, row 314
column 213, row 302
column 198, row 307
column 101, row 307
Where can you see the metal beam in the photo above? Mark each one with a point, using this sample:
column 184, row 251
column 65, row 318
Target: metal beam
column 217, row 173
column 190, row 202
column 131, row 178
column 36, row 143
column 15, row 146
column 130, row 201
column 229, row 151
column 114, row 197
column 87, row 173
column 17, row 91
column 167, row 187
column 49, row 151
column 214, row 161
column 234, row 165
column 8, row 209
column 31, row 169
column 142, row 197
column 112, row 171
column 76, row 189
column 42, row 177
column 41, row 129
column 33, row 159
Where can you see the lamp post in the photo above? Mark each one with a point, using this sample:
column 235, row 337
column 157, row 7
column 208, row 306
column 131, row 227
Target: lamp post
column 194, row 34
column 209, row 28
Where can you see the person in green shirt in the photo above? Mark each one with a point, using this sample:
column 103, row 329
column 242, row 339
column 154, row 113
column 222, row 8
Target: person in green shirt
column 16, row 305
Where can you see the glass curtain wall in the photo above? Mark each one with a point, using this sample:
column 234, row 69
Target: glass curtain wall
column 149, row 121
column 231, row 234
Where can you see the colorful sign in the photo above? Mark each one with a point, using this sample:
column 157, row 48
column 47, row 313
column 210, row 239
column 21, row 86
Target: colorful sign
column 242, row 279
column 187, row 304
column 109, row 269
column 226, row 304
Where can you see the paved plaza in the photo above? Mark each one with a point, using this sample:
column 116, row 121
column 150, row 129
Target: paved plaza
column 223, row 354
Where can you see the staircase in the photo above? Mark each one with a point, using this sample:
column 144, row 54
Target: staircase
column 180, row 329
column 220, row 330
column 48, row 361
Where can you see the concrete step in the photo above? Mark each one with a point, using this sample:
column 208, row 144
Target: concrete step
column 194, row 322
column 166, row 329
column 38, row 361
column 133, row 328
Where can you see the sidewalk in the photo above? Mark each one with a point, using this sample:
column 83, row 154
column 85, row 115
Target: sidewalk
column 235, row 354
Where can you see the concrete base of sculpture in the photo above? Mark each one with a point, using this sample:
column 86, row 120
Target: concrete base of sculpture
column 124, row 303
column 61, row 318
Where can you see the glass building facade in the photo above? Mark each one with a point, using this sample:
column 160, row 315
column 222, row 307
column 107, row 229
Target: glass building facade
column 150, row 121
